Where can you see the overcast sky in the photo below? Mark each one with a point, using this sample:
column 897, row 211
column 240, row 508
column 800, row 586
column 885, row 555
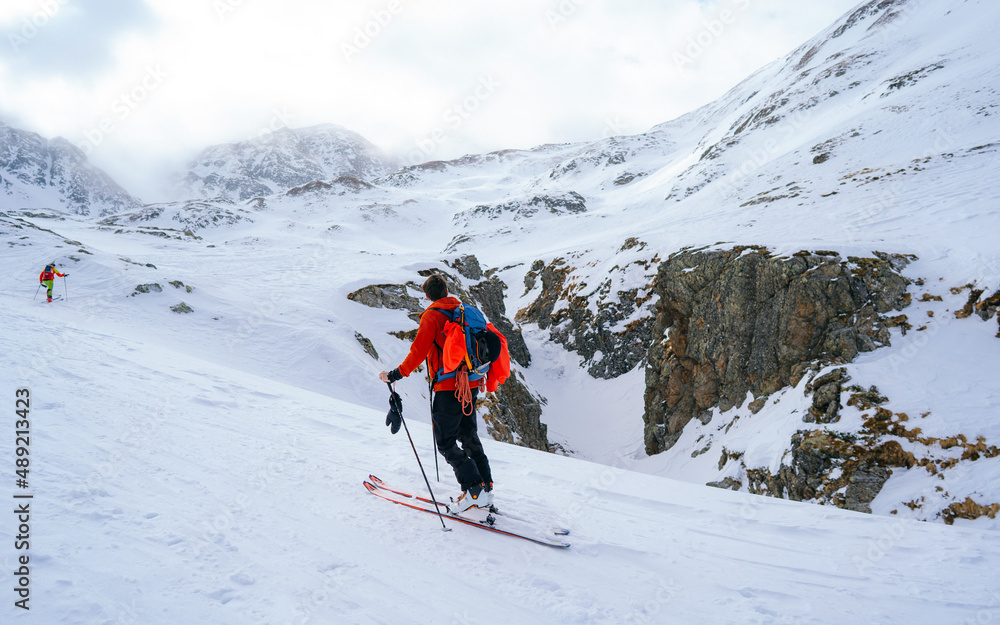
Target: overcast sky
column 143, row 85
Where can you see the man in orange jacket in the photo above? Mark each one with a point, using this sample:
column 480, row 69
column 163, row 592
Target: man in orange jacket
column 451, row 425
column 47, row 276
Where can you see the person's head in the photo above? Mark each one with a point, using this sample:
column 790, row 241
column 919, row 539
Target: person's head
column 435, row 287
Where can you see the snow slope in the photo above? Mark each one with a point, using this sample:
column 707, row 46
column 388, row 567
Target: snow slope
column 169, row 488
column 207, row 466
column 858, row 141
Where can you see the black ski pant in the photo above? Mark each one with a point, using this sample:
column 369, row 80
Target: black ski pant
column 453, row 428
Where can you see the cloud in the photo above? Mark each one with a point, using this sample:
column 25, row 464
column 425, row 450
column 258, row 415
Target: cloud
column 66, row 38
column 421, row 78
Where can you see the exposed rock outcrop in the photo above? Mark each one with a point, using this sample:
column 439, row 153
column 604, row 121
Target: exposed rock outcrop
column 513, row 415
column 339, row 186
column 609, row 326
column 565, row 203
column 468, row 266
column 969, row 509
column 733, row 322
column 826, row 397
column 394, row 296
column 986, row 309
column 189, row 216
column 366, row 345
column 489, row 296
column 848, row 470
column 147, row 288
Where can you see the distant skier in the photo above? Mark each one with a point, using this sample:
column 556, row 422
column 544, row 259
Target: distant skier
column 47, row 276
column 451, row 424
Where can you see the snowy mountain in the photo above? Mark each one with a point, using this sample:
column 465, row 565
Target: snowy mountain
column 792, row 291
column 37, row 172
column 281, row 160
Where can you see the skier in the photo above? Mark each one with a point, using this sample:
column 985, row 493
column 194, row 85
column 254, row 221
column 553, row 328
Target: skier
column 451, row 424
column 48, row 275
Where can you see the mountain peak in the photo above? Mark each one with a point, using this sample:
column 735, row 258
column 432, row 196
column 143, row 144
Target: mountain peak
column 281, row 160
column 54, row 173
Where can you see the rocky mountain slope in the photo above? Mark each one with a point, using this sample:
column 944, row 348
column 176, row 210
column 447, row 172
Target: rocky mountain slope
column 40, row 173
column 838, row 168
column 790, row 291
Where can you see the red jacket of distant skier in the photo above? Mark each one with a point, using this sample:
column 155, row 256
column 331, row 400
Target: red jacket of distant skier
column 49, row 273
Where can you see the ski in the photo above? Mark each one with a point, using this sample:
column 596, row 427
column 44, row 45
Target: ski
column 421, row 506
column 375, row 481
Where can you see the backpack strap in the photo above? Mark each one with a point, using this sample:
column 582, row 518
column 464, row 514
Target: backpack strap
column 437, row 376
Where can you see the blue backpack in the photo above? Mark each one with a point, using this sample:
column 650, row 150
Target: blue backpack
column 467, row 342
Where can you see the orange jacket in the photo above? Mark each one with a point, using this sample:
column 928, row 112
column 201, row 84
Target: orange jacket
column 429, row 343
column 500, row 369
column 49, row 275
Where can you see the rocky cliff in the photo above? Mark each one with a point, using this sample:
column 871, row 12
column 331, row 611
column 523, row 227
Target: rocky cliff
column 741, row 322
column 849, row 469
column 718, row 329
column 605, row 319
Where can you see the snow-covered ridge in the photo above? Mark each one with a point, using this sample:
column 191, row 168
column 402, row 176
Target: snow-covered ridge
column 281, row 160
column 41, row 173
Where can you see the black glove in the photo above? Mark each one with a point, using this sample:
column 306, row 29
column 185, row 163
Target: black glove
column 395, row 417
column 395, row 375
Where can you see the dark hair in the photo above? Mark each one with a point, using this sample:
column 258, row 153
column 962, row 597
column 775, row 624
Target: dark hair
column 435, row 287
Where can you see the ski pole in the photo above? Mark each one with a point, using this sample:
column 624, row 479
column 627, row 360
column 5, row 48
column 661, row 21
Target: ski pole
column 437, row 470
column 36, row 292
column 65, row 290
column 430, row 399
column 421, row 465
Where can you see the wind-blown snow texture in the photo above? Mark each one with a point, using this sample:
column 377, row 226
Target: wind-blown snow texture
column 207, row 466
